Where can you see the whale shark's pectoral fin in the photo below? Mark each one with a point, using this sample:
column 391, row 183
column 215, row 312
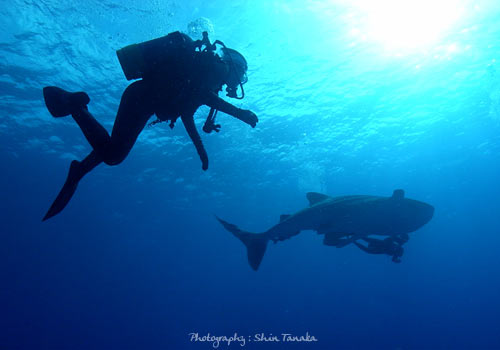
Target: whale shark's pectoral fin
column 315, row 197
column 284, row 238
column 326, row 229
column 334, row 239
column 331, row 239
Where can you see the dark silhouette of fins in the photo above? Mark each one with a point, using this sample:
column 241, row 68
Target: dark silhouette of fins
column 256, row 243
column 66, row 192
column 61, row 103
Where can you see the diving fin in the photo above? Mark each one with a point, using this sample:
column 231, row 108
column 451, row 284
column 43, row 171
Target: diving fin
column 61, row 103
column 66, row 192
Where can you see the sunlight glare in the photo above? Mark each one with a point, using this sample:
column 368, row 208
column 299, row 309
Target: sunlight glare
column 408, row 24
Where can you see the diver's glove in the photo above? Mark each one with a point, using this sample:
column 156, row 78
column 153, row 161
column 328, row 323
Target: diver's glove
column 248, row 117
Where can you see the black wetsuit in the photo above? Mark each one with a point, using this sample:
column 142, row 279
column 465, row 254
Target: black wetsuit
column 177, row 89
column 386, row 246
column 180, row 91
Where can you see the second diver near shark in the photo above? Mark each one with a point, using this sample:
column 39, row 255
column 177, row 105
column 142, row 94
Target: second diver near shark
column 177, row 75
column 344, row 220
column 392, row 246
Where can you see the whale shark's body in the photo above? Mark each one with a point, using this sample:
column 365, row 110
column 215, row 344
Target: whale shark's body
column 341, row 220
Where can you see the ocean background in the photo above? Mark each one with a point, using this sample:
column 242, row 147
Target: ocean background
column 353, row 97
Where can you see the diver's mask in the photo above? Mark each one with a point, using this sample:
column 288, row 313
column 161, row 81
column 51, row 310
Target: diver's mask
column 237, row 75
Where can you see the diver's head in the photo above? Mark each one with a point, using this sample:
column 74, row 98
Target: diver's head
column 237, row 75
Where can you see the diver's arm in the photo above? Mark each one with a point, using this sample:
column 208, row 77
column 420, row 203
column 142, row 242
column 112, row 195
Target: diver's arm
column 214, row 101
column 188, row 121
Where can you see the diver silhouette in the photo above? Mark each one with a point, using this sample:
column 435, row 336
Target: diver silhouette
column 178, row 76
column 391, row 246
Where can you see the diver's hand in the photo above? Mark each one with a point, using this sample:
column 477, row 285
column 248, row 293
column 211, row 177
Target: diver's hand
column 248, row 117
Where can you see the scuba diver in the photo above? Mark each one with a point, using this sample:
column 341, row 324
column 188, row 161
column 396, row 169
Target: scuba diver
column 392, row 246
column 178, row 76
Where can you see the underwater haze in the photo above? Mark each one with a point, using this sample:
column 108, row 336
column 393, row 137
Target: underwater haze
column 353, row 97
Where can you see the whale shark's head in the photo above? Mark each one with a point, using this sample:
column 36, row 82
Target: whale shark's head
column 409, row 214
column 423, row 212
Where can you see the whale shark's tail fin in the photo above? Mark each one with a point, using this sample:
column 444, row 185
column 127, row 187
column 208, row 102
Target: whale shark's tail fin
column 256, row 243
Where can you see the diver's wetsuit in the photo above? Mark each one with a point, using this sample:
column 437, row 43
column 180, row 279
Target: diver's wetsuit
column 174, row 92
column 386, row 246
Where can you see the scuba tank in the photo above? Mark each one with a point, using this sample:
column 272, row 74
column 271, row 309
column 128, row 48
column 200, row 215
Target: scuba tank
column 137, row 60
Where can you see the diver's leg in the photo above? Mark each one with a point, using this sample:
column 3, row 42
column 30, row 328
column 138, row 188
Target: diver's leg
column 370, row 240
column 134, row 112
column 363, row 248
column 331, row 239
column 76, row 171
column 94, row 132
column 346, row 241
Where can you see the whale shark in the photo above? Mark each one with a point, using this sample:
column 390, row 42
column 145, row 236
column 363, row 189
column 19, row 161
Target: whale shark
column 342, row 220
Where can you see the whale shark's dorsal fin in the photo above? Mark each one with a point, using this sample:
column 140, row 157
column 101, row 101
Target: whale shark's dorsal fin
column 398, row 194
column 315, row 197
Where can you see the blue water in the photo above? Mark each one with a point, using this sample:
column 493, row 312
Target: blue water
column 137, row 259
